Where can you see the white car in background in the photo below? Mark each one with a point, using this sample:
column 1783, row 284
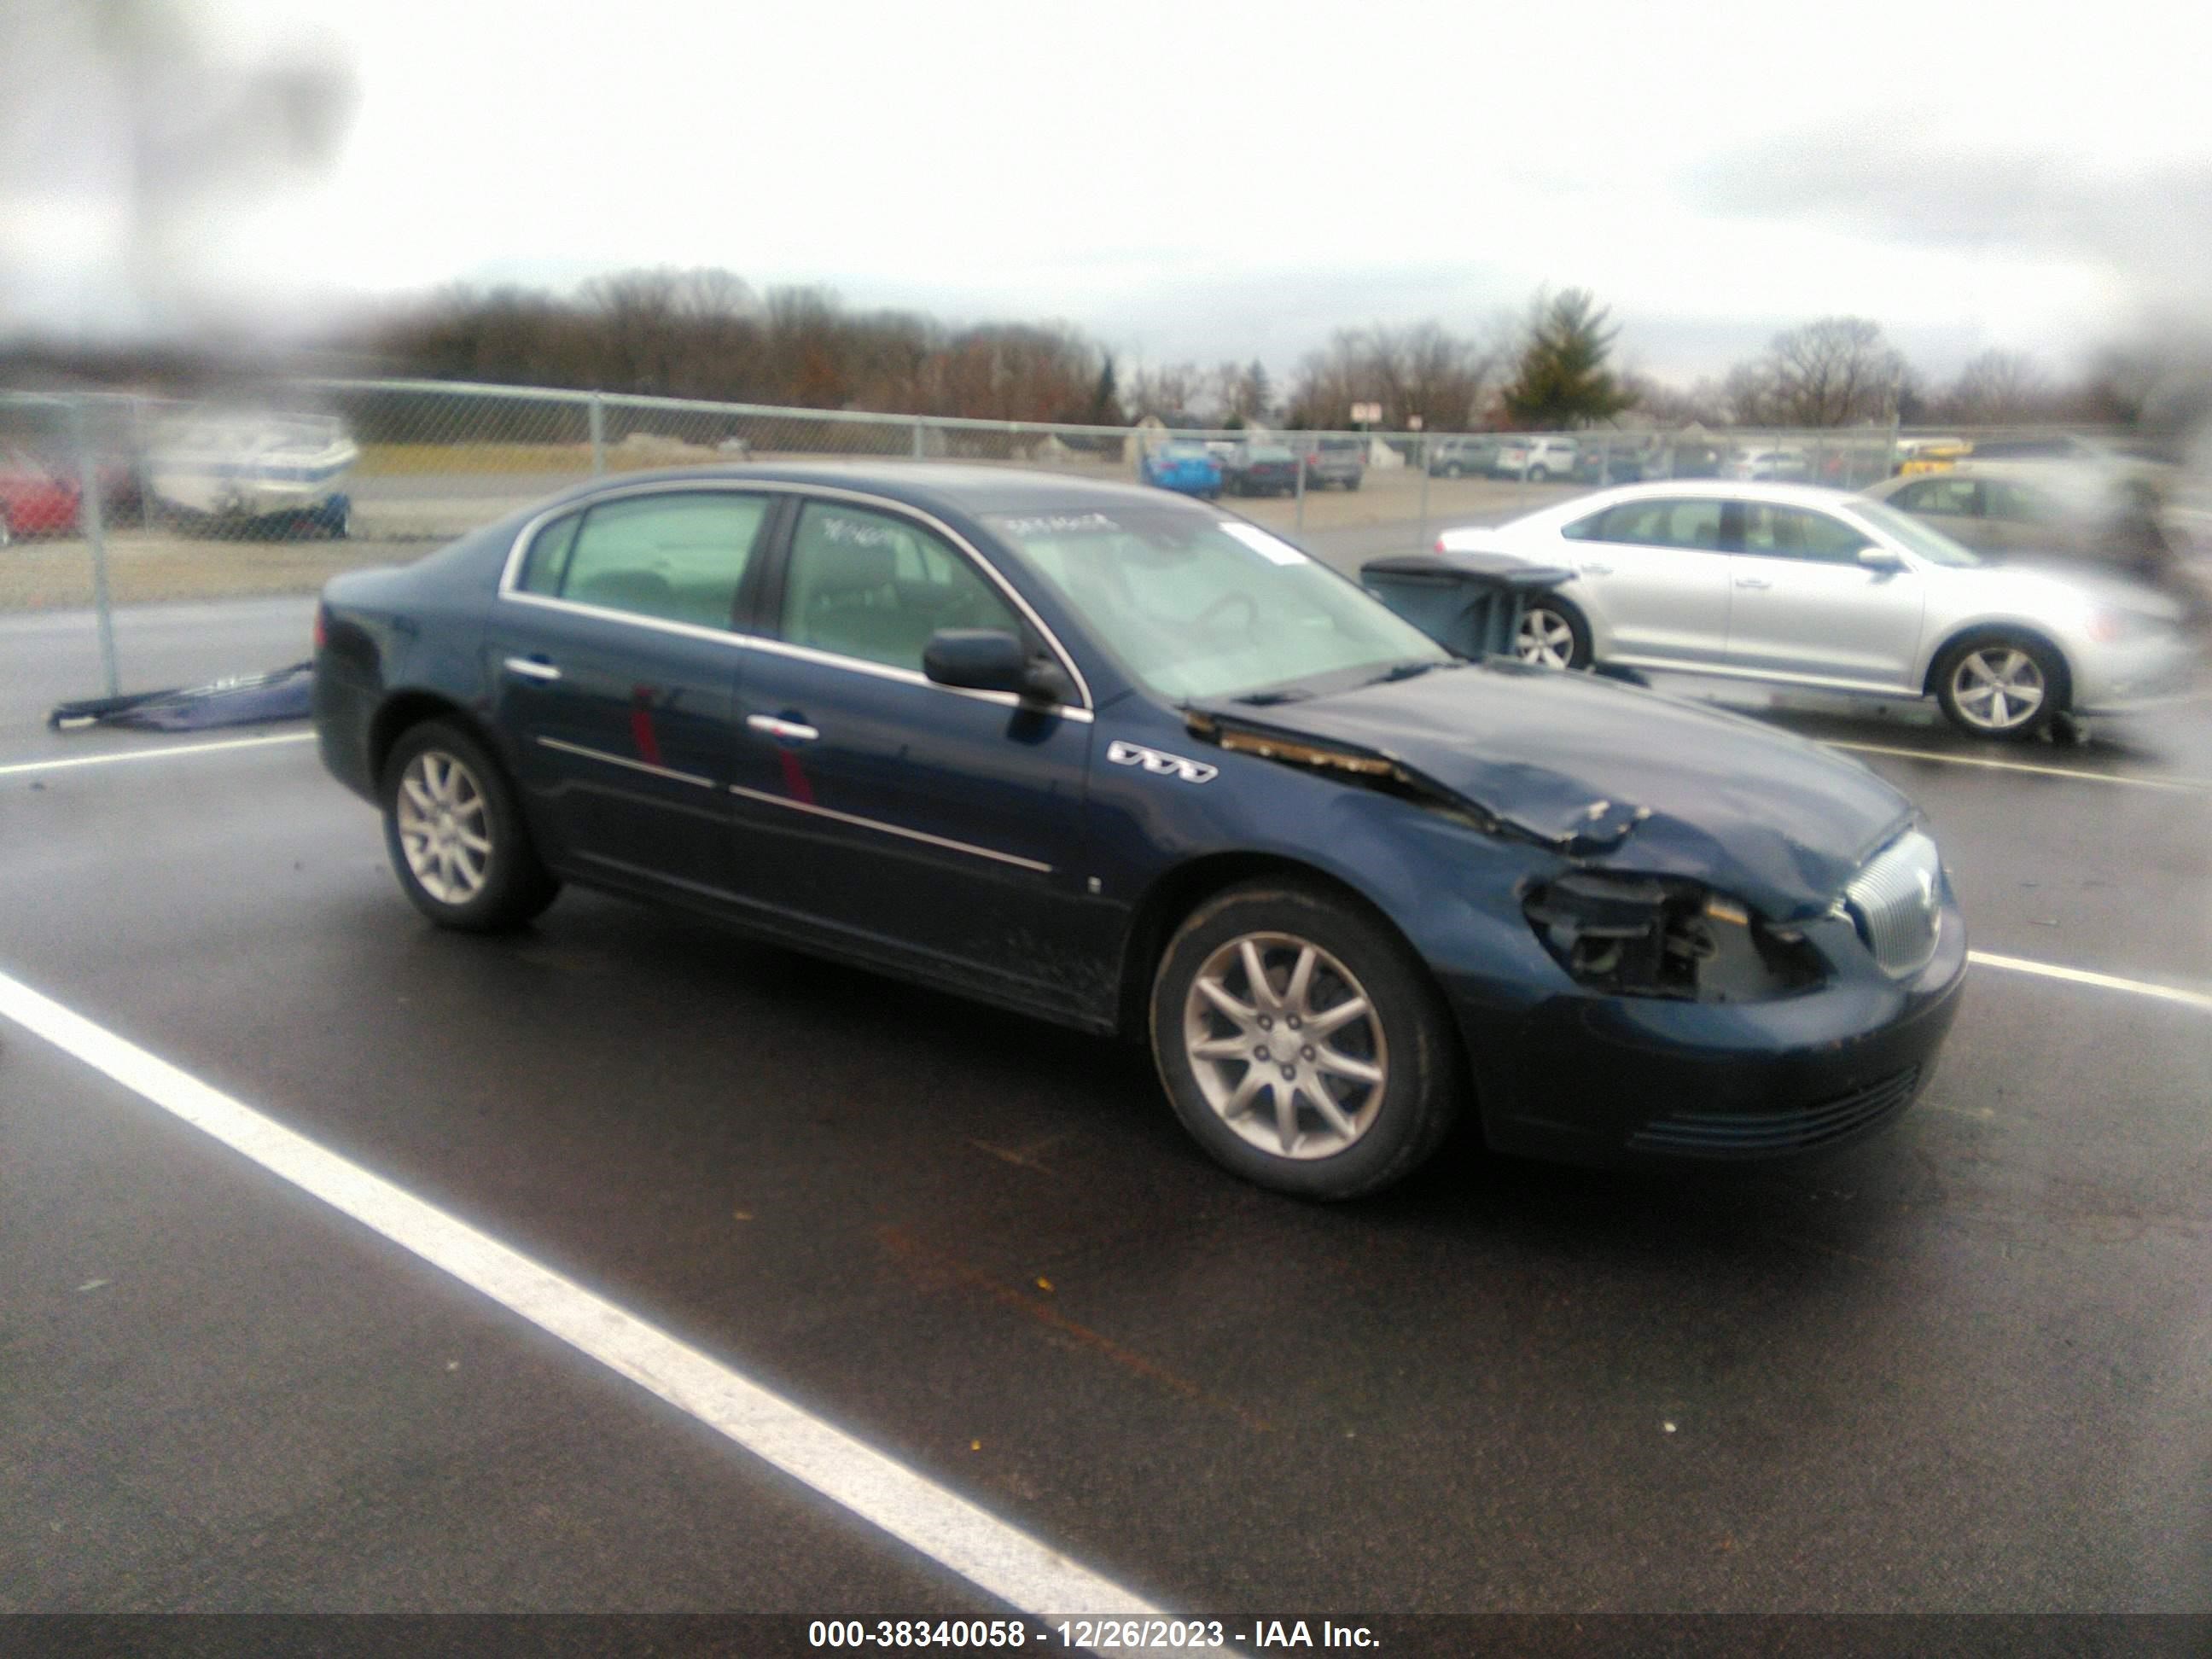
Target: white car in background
column 1537, row 459
column 1807, row 587
column 1779, row 465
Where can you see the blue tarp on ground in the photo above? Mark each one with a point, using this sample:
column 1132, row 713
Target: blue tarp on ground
column 251, row 700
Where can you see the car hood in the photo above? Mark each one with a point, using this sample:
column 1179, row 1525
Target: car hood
column 1610, row 773
column 2049, row 586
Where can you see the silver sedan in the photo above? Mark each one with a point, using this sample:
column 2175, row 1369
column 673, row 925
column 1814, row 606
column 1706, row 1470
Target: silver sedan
column 1801, row 586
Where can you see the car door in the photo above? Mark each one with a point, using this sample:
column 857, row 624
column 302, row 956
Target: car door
column 616, row 668
column 1653, row 576
column 1804, row 607
column 938, row 828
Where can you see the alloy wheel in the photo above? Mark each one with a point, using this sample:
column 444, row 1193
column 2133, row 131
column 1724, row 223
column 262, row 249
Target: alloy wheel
column 1545, row 637
column 445, row 827
column 1998, row 688
column 1285, row 1046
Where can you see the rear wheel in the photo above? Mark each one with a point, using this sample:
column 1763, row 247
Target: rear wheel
column 1301, row 1042
column 1540, row 474
column 455, row 834
column 2003, row 686
column 1553, row 635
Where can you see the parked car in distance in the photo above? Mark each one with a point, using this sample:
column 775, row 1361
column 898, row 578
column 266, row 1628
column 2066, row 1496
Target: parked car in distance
column 1260, row 469
column 1339, row 461
column 1186, row 467
column 35, row 499
column 1796, row 585
column 1610, row 461
column 1538, row 461
column 1129, row 762
column 1461, row 458
column 1689, row 459
column 1767, row 465
column 1994, row 509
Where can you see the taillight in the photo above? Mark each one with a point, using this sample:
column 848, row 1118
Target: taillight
column 1441, row 548
column 322, row 626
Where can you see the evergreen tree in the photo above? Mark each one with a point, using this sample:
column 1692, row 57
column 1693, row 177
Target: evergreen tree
column 1560, row 379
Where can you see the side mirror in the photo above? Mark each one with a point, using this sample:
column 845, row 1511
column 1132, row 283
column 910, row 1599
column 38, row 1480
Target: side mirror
column 1879, row 558
column 991, row 659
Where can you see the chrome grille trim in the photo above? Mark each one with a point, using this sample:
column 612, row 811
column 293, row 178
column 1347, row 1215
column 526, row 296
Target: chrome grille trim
column 1897, row 901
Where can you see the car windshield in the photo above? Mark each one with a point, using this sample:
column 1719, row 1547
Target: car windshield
column 1197, row 607
column 1928, row 544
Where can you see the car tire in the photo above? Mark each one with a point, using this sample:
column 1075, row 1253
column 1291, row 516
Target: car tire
column 1980, row 683
column 1552, row 633
column 1539, row 475
column 7, row 529
column 1454, row 471
column 1351, row 484
column 442, row 790
column 1379, row 1125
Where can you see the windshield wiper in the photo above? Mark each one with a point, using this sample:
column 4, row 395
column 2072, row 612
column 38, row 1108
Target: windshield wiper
column 1280, row 693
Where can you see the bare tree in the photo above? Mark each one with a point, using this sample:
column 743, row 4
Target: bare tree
column 1832, row 372
column 1998, row 387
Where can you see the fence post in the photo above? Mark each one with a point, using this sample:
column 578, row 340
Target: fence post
column 599, row 435
column 920, row 451
column 1421, row 454
column 1299, row 522
column 96, row 536
column 140, row 472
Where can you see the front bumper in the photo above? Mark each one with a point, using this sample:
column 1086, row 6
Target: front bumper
column 1605, row 1080
column 2122, row 678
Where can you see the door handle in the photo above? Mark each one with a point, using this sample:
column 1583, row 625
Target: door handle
column 1596, row 569
column 532, row 668
column 789, row 731
column 1752, row 581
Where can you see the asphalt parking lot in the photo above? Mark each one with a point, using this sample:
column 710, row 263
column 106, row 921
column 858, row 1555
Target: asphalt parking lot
column 1966, row 1367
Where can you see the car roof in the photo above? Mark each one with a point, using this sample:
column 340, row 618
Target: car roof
column 933, row 486
column 1746, row 489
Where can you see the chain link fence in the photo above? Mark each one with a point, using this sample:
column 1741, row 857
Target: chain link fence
column 110, row 500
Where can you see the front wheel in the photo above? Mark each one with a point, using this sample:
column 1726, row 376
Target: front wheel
column 2004, row 687
column 1302, row 1043
column 1552, row 636
column 455, row 834
column 1539, row 475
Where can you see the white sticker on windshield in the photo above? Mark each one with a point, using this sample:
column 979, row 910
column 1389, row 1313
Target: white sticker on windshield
column 1271, row 548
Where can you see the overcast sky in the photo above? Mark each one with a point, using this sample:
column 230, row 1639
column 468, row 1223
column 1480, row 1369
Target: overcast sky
column 1205, row 178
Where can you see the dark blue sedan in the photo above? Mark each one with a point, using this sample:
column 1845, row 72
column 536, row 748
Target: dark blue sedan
column 1133, row 764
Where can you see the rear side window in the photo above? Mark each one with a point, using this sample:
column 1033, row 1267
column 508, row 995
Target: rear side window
column 676, row 557
column 1688, row 524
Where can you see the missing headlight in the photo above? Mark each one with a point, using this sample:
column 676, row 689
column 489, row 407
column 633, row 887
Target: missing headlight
column 1636, row 936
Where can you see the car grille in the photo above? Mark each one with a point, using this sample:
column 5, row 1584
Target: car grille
column 1897, row 904
column 1721, row 1134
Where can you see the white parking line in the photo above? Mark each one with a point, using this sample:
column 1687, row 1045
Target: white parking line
column 18, row 767
column 1000, row 1558
column 2185, row 786
column 2082, row 976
